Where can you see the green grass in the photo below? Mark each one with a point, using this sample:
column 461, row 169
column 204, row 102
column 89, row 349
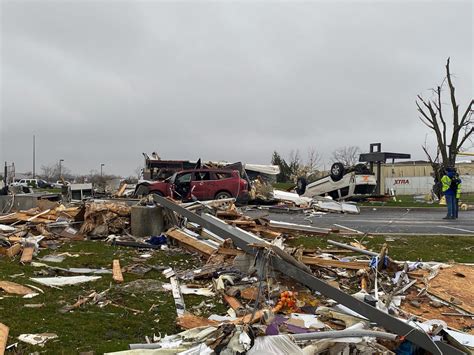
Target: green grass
column 426, row 248
column 49, row 190
column 402, row 201
column 91, row 328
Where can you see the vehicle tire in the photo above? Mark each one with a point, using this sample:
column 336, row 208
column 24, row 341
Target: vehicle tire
column 142, row 190
column 222, row 195
column 337, row 171
column 301, row 185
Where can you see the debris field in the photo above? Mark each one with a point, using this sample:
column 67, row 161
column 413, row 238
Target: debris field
column 238, row 286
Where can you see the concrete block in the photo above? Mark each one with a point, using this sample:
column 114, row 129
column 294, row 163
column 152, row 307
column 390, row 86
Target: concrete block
column 147, row 221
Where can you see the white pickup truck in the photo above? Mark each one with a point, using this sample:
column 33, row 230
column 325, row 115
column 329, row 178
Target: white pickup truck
column 341, row 184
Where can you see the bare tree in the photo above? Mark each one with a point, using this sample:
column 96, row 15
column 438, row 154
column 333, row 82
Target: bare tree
column 348, row 156
column 138, row 172
column 295, row 162
column 52, row 172
column 314, row 160
column 450, row 134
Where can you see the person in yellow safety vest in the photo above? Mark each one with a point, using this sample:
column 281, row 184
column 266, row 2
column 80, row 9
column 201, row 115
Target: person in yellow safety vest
column 458, row 195
column 449, row 191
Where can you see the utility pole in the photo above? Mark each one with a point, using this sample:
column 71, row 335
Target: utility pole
column 60, row 172
column 34, row 156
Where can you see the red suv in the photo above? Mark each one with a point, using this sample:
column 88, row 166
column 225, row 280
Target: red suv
column 199, row 184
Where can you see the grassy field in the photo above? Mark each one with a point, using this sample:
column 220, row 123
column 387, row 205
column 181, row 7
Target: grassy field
column 425, row 248
column 92, row 328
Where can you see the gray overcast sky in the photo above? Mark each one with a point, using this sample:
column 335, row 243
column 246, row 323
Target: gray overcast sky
column 104, row 81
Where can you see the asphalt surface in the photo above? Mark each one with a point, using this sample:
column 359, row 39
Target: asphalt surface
column 384, row 220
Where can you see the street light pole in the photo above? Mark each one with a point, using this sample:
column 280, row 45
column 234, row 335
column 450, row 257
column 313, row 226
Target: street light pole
column 101, row 172
column 34, row 156
column 60, row 172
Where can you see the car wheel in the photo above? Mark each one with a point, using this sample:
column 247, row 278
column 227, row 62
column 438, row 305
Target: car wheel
column 222, row 195
column 337, row 171
column 301, row 185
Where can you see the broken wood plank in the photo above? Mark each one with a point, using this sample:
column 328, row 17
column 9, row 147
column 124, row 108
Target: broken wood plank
column 27, row 255
column 13, row 250
column 229, row 251
column 228, row 214
column 14, row 288
column 265, row 232
column 352, row 265
column 191, row 243
column 3, row 338
column 121, row 190
column 249, row 318
column 190, row 321
column 117, row 271
column 38, row 215
column 234, row 303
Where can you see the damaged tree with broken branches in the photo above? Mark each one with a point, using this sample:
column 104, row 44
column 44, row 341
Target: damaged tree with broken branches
column 451, row 134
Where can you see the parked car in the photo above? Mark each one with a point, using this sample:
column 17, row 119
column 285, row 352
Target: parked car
column 59, row 184
column 198, row 184
column 33, row 183
column 341, row 184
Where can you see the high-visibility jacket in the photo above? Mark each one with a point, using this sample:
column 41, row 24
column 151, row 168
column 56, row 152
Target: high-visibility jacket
column 458, row 190
column 446, row 181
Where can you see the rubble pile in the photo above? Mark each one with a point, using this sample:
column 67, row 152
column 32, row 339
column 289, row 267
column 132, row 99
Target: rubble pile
column 279, row 299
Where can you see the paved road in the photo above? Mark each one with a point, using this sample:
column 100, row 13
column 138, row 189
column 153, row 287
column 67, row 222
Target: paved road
column 385, row 220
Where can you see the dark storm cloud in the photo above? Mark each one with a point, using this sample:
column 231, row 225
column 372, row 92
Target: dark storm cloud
column 101, row 82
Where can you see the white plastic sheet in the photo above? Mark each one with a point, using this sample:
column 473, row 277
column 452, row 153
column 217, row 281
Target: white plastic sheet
column 63, row 280
column 275, row 345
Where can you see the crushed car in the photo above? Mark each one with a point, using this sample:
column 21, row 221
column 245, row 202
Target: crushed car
column 199, row 184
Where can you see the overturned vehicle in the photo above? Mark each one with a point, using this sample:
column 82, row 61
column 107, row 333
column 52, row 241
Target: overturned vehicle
column 342, row 183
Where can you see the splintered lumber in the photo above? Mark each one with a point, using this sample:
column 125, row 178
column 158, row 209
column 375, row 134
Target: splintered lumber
column 13, row 250
column 117, row 271
column 3, row 337
column 228, row 214
column 14, row 288
column 190, row 321
column 27, row 255
column 229, row 251
column 265, row 232
column 190, row 242
column 121, row 190
column 38, row 215
column 249, row 318
column 352, row 265
column 234, row 303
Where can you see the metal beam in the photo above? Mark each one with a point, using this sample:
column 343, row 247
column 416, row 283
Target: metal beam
column 244, row 240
